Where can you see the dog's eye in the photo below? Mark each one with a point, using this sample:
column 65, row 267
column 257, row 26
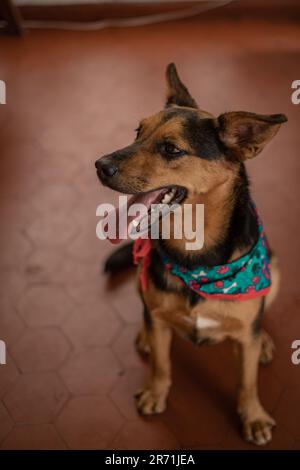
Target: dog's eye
column 171, row 150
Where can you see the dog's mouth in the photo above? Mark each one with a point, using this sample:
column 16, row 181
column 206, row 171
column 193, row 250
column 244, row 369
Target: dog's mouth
column 157, row 204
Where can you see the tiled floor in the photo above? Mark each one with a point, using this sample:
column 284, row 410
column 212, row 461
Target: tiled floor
column 72, row 369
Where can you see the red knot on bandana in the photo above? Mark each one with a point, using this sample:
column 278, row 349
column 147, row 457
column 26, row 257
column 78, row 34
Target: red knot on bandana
column 142, row 252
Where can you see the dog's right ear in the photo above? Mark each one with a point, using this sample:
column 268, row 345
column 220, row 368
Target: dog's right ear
column 177, row 93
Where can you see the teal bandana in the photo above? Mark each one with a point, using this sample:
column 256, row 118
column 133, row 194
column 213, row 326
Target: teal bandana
column 245, row 278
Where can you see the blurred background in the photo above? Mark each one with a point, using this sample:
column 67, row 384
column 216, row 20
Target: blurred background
column 79, row 76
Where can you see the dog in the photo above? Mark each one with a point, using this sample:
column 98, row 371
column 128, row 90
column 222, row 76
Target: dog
column 194, row 158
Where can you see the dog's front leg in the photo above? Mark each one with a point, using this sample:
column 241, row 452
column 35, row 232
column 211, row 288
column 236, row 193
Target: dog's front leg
column 257, row 423
column 152, row 398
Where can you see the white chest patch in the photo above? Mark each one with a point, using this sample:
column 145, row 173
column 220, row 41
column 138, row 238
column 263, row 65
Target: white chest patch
column 202, row 322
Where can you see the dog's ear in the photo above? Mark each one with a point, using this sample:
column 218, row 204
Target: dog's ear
column 244, row 135
column 177, row 93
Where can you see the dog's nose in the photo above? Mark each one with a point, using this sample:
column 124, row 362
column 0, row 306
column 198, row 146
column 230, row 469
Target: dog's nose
column 108, row 169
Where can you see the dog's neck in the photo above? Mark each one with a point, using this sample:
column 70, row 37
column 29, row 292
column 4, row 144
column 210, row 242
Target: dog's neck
column 230, row 226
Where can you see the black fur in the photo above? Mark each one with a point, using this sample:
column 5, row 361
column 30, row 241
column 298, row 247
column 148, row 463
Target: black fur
column 202, row 137
column 120, row 259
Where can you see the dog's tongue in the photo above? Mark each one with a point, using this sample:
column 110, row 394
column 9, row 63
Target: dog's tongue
column 121, row 214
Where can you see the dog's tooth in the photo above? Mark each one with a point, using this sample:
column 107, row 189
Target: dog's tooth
column 167, row 198
column 135, row 223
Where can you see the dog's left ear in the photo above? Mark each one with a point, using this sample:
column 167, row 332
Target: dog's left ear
column 177, row 93
column 244, row 135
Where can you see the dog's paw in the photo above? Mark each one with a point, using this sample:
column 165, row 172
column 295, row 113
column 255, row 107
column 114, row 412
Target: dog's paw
column 267, row 349
column 259, row 430
column 149, row 402
column 142, row 343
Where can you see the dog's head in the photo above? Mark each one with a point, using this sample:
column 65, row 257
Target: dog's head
column 183, row 151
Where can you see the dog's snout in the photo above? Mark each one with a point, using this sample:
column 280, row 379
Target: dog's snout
column 106, row 168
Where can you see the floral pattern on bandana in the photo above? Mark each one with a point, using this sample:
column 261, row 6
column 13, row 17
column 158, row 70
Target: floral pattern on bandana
column 245, row 278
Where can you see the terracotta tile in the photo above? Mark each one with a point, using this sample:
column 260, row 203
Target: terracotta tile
column 16, row 243
column 40, row 350
column 74, row 273
column 125, row 388
column 8, row 375
column 100, row 325
column 89, row 423
column 51, row 196
column 91, row 372
column 43, row 266
column 45, row 305
column 12, row 284
column 145, row 434
column 36, row 398
column 128, row 303
column 11, row 325
column 20, row 179
column 6, row 422
column 88, row 290
column 87, row 247
column 124, row 347
column 33, row 437
column 288, row 412
column 62, row 229
column 297, row 445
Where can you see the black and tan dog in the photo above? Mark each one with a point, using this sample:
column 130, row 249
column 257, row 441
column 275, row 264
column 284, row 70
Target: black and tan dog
column 195, row 157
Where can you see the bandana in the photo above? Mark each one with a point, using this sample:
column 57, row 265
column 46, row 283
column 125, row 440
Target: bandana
column 244, row 278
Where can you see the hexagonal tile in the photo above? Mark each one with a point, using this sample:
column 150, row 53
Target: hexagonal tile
column 36, row 398
column 52, row 195
column 45, row 305
column 16, row 243
column 6, row 422
column 40, row 350
column 12, row 284
column 91, row 372
column 11, row 325
column 123, row 391
column 57, row 232
column 33, row 437
column 43, row 265
column 87, row 247
column 8, row 375
column 89, row 422
column 89, row 289
column 128, row 303
column 124, row 347
column 97, row 326
column 145, row 434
